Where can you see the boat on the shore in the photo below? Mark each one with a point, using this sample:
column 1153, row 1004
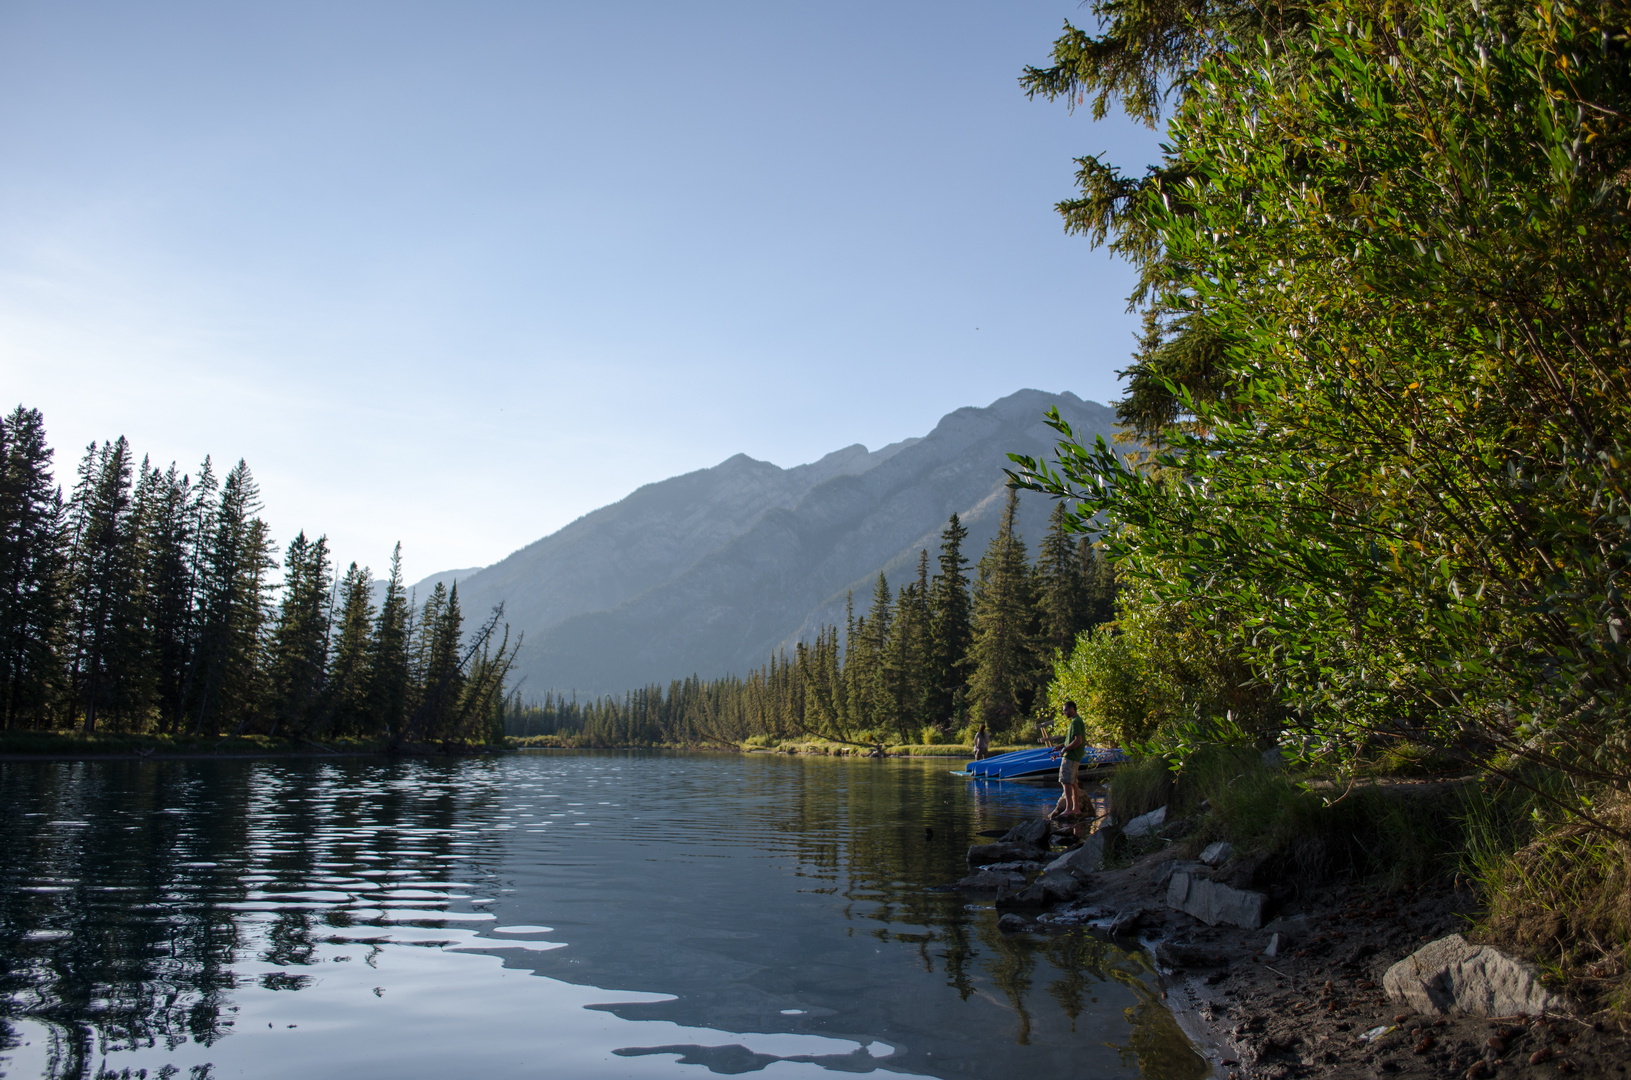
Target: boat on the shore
column 1027, row 763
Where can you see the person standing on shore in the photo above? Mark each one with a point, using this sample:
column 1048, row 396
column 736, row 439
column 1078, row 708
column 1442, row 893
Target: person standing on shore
column 1070, row 759
column 982, row 744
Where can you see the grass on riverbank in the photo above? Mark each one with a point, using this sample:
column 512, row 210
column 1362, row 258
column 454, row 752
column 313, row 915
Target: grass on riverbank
column 1553, row 889
column 767, row 745
column 77, row 744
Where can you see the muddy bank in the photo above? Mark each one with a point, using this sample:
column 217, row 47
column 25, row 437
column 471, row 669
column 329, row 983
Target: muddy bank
column 1276, row 982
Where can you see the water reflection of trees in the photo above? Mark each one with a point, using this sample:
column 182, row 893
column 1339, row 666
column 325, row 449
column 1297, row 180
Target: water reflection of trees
column 123, row 884
column 870, row 836
column 125, row 932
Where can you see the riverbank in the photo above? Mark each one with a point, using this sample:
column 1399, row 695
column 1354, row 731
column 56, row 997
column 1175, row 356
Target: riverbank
column 754, row 746
column 1275, row 975
column 74, row 746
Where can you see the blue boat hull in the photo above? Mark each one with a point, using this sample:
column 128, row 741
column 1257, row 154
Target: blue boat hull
column 1038, row 762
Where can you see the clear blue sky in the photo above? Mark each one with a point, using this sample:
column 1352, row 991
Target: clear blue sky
column 457, row 273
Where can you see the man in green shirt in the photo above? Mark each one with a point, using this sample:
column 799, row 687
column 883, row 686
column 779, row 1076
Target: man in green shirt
column 1070, row 759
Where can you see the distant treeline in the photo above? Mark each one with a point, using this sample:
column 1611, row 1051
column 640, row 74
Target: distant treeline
column 926, row 663
column 145, row 602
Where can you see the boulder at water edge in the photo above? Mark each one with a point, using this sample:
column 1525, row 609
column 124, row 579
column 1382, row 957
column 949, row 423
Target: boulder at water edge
column 1213, row 902
column 1035, row 832
column 1085, row 858
column 1453, row 975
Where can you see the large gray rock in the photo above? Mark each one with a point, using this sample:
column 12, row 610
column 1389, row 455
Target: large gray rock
column 981, row 854
column 1144, row 824
column 1213, row 902
column 1453, row 975
column 1036, row 832
column 1060, row 885
column 1087, row 857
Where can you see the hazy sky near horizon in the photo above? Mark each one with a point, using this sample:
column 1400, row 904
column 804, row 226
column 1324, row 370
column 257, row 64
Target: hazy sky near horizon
column 455, row 274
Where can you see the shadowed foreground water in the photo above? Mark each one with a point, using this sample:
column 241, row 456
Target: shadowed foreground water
column 560, row 914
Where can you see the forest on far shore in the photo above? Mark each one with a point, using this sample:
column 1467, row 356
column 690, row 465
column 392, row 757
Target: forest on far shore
column 147, row 602
column 927, row 663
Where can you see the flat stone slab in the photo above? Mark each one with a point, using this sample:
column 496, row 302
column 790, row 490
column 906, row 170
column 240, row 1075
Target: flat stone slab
column 990, row 881
column 1453, row 975
column 1213, row 902
column 1002, row 851
column 1085, row 859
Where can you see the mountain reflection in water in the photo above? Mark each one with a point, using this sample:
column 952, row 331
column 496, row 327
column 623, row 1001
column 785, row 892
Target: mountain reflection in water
column 580, row 914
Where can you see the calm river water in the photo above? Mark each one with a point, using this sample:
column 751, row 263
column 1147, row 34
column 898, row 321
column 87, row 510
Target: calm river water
column 549, row 914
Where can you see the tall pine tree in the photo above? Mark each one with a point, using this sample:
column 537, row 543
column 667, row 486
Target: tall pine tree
column 951, row 629
column 388, row 657
column 32, row 560
column 1004, row 653
column 167, row 544
column 1061, row 589
column 232, row 609
column 104, row 633
column 298, row 652
column 345, row 708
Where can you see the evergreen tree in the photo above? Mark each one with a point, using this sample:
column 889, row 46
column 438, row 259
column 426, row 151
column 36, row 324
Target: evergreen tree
column 298, row 652
column 232, row 608
column 874, row 678
column 104, row 627
column 1062, row 592
column 951, row 630
column 32, row 560
column 441, row 668
column 1004, row 652
column 388, row 657
column 346, row 691
column 1098, row 584
column 167, row 545
column 906, row 659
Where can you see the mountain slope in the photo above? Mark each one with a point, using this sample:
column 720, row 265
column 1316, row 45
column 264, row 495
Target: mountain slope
column 708, row 572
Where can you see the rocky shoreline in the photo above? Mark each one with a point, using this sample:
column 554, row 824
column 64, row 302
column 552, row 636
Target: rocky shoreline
column 1274, row 981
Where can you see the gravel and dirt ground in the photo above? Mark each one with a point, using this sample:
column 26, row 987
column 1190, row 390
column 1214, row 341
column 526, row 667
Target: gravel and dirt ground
column 1309, row 1002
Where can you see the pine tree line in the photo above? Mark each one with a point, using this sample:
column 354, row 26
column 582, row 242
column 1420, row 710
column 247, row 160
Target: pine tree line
column 928, row 660
column 146, row 602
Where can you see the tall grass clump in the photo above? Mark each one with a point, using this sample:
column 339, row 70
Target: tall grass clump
column 1304, row 835
column 1559, row 894
column 1138, row 787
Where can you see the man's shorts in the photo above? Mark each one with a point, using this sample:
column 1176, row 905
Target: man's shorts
column 1067, row 770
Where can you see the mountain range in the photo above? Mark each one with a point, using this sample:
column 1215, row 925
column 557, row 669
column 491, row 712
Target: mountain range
column 710, row 572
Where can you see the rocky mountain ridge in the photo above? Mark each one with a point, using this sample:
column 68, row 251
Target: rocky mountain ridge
column 709, row 572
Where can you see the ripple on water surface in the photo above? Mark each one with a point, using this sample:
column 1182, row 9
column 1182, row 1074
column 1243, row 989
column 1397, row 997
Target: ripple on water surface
column 726, row 913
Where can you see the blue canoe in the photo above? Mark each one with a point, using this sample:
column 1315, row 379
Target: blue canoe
column 1037, row 762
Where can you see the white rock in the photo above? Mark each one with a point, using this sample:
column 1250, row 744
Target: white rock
column 1273, row 947
column 1452, row 975
column 1217, row 854
column 1145, row 823
column 1213, row 902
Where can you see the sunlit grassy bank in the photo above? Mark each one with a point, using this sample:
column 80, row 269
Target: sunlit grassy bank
column 764, row 745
